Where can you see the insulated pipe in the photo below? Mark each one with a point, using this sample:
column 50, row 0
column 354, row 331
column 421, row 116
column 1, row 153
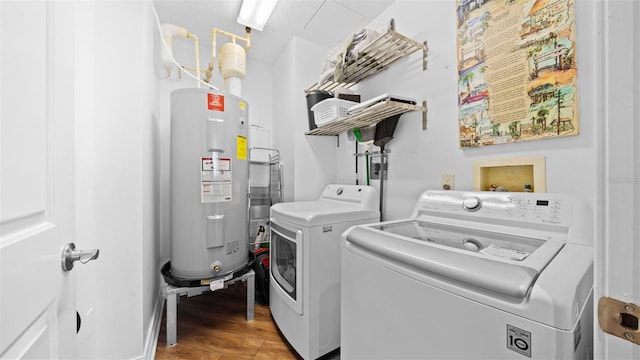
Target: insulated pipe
column 168, row 32
column 167, row 53
column 195, row 44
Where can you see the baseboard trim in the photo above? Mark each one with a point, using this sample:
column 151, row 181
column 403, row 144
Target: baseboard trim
column 153, row 332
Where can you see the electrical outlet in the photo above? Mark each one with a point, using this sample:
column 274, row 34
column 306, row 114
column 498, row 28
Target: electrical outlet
column 376, row 168
column 448, row 181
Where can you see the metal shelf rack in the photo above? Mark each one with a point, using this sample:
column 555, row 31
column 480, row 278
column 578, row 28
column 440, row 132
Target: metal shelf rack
column 263, row 195
column 371, row 115
column 385, row 50
column 378, row 55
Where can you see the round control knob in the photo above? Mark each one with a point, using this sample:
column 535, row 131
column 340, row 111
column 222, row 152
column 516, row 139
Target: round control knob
column 471, row 204
column 472, row 245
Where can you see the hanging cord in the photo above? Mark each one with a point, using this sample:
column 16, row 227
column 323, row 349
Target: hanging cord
column 357, row 179
column 166, row 48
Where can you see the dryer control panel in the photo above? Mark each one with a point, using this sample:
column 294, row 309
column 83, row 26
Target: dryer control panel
column 362, row 195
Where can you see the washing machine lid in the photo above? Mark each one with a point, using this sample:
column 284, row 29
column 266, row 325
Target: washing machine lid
column 321, row 212
column 501, row 263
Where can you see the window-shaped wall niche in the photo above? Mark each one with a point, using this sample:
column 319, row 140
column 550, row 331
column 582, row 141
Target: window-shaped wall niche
column 510, row 174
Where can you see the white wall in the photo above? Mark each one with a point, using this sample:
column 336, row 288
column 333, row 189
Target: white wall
column 119, row 173
column 418, row 158
column 308, row 161
column 152, row 301
column 283, row 90
column 117, row 185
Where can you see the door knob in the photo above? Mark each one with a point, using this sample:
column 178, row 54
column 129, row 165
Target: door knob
column 70, row 255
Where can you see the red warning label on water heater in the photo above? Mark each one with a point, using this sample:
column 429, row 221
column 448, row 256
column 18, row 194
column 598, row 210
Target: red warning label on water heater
column 215, row 102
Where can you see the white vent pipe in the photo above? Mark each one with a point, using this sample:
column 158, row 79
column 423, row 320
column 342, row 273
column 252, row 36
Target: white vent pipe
column 167, row 56
column 168, row 32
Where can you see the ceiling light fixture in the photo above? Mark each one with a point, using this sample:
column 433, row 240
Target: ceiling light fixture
column 255, row 13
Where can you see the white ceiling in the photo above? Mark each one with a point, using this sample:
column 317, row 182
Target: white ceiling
column 326, row 22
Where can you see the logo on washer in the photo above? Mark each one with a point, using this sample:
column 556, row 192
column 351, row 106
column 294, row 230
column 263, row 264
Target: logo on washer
column 519, row 340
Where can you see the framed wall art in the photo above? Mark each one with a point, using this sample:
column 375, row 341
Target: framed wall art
column 516, row 71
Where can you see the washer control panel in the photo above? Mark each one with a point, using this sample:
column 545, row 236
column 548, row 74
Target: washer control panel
column 528, row 207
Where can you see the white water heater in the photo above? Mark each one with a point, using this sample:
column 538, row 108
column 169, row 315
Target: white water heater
column 209, row 168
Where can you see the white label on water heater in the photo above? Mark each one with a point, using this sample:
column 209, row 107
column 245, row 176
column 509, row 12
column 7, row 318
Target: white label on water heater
column 215, row 180
column 216, row 284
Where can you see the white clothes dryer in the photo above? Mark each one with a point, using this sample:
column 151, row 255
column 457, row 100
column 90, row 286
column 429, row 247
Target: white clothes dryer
column 305, row 264
column 471, row 275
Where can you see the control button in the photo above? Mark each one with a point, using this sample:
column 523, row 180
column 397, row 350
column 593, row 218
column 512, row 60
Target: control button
column 471, row 204
column 339, row 191
column 472, row 244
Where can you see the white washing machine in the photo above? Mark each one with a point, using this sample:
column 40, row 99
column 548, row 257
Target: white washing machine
column 305, row 264
column 471, row 275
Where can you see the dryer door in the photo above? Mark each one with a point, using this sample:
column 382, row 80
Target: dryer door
column 286, row 264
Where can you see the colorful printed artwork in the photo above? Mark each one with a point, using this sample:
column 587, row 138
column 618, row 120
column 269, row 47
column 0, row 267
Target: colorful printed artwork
column 516, row 71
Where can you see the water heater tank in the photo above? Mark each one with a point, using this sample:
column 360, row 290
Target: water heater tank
column 209, row 170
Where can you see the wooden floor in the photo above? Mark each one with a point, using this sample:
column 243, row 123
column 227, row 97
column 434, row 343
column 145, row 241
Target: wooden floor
column 214, row 326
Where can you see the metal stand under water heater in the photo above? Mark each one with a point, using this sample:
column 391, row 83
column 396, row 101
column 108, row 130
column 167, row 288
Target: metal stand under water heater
column 209, row 170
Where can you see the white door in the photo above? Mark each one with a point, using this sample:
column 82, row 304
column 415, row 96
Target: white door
column 618, row 244
column 37, row 298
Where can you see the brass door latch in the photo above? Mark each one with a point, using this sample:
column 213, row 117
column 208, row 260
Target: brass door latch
column 619, row 319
